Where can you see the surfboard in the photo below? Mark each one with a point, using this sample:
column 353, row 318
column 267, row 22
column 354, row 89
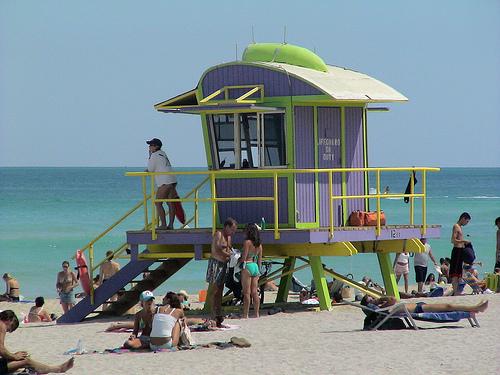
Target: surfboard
column 83, row 271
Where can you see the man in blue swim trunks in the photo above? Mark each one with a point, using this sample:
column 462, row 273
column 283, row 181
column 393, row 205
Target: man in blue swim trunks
column 217, row 266
column 420, row 307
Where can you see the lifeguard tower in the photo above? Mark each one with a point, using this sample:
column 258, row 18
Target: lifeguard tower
column 286, row 140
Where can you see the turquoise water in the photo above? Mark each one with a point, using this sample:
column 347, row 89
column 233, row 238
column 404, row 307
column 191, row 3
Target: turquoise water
column 47, row 213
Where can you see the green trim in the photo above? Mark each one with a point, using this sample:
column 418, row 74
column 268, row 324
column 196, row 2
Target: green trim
column 284, row 53
column 316, row 162
column 319, row 277
column 387, row 271
column 206, row 140
column 285, row 281
column 343, row 164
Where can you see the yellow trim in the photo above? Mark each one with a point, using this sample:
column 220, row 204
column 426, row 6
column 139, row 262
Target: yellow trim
column 213, row 199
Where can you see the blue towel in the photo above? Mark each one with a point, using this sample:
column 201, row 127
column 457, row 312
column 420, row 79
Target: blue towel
column 442, row 317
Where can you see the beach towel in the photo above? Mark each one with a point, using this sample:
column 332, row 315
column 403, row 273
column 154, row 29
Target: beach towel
column 206, row 328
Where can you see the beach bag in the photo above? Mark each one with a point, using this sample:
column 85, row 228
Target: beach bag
column 357, row 219
column 371, row 218
column 185, row 339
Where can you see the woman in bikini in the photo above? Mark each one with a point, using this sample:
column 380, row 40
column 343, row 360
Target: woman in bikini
column 252, row 262
column 166, row 327
column 66, row 282
column 37, row 312
column 11, row 289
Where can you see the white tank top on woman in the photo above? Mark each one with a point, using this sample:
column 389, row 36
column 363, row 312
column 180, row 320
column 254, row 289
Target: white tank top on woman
column 163, row 324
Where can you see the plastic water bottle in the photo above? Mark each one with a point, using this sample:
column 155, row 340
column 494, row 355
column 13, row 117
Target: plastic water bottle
column 79, row 347
column 262, row 223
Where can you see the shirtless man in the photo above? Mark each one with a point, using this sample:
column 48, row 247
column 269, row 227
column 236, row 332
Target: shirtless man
column 142, row 322
column 457, row 239
column 217, row 266
column 66, row 282
column 107, row 270
column 11, row 362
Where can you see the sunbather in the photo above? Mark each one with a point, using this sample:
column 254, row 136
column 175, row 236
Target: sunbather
column 142, row 322
column 470, row 277
column 420, row 307
column 166, row 329
column 38, row 313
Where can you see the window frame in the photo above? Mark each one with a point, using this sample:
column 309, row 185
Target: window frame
column 237, row 139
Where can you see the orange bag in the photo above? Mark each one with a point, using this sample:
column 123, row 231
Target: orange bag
column 357, row 218
column 371, row 218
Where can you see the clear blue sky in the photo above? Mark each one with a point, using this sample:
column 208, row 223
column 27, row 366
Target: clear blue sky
column 78, row 80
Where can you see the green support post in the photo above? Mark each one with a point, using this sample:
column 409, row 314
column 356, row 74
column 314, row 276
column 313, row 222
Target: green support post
column 286, row 280
column 318, row 272
column 387, row 271
column 207, row 307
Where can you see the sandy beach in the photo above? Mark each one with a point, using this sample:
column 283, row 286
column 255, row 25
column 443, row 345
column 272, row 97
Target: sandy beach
column 284, row 343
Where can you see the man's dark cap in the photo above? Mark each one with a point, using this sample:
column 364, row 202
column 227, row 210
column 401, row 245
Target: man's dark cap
column 155, row 142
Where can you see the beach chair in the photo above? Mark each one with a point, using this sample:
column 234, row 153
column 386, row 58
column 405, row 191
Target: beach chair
column 399, row 311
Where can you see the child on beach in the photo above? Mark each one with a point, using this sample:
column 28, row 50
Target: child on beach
column 401, row 267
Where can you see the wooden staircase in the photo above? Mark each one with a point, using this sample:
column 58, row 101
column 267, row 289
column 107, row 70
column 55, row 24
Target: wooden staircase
column 129, row 298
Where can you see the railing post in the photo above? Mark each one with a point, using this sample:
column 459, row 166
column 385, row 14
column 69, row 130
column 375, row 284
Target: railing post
column 276, row 219
column 378, row 203
column 91, row 273
column 153, row 209
column 412, row 189
column 424, row 203
column 145, row 201
column 196, row 217
column 214, row 202
column 330, row 200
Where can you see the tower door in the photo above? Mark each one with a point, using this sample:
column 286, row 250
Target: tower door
column 329, row 153
column 305, row 189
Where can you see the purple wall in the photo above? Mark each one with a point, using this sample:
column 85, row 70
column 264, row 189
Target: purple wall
column 252, row 212
column 305, row 195
column 329, row 157
column 354, row 156
column 275, row 83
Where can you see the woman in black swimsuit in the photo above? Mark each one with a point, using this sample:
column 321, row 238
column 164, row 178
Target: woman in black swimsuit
column 11, row 289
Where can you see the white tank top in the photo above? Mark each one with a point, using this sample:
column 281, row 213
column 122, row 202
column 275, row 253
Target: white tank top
column 163, row 324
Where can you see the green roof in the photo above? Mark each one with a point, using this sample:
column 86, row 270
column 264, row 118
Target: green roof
column 284, row 53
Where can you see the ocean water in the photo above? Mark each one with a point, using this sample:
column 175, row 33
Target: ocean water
column 47, row 213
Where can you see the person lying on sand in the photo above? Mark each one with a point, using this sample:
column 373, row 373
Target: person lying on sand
column 11, row 362
column 420, row 307
column 142, row 322
column 38, row 313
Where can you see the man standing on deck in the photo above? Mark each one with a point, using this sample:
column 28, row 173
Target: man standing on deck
column 217, row 266
column 166, row 183
column 457, row 239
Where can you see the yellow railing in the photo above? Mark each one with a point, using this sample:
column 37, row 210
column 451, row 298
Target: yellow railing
column 92, row 267
column 275, row 173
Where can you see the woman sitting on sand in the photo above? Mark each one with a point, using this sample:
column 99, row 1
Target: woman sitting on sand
column 37, row 313
column 252, row 262
column 166, row 329
column 421, row 307
column 142, row 322
column 11, row 289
